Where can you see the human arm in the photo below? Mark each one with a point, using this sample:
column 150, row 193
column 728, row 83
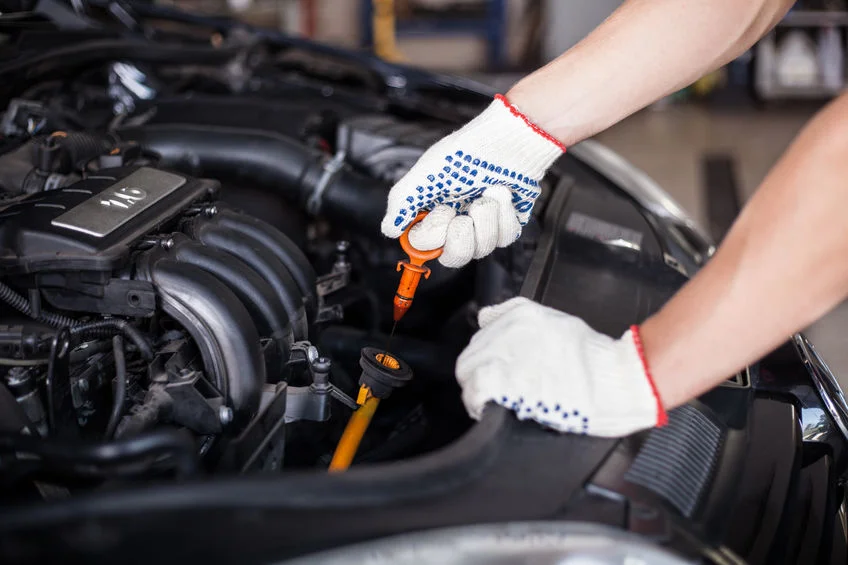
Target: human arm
column 782, row 266
column 645, row 50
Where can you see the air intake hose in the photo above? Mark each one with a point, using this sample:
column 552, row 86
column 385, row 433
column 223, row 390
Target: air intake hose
column 269, row 160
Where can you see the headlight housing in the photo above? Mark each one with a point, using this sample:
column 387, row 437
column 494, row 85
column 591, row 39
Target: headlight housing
column 832, row 395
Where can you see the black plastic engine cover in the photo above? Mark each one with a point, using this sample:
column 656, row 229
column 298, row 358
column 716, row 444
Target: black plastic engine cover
column 92, row 224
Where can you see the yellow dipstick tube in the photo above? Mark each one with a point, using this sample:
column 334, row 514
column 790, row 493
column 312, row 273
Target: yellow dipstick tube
column 358, row 423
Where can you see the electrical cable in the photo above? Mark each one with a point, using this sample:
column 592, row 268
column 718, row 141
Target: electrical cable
column 99, row 328
column 21, row 304
column 112, row 326
column 88, row 459
column 120, row 386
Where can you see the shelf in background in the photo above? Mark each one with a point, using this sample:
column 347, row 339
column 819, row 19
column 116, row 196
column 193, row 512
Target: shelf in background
column 779, row 92
column 810, row 18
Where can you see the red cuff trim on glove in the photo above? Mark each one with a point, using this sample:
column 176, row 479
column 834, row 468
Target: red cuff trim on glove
column 517, row 113
column 662, row 417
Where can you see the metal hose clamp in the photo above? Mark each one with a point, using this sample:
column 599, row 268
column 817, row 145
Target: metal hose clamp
column 331, row 168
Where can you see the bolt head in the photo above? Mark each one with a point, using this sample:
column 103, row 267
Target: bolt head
column 225, row 415
column 83, row 385
column 167, row 243
column 210, row 211
column 322, row 365
column 396, row 81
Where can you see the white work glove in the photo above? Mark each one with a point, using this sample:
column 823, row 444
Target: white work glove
column 553, row 368
column 480, row 182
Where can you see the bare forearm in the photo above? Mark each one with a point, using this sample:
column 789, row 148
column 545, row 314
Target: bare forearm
column 644, row 51
column 781, row 267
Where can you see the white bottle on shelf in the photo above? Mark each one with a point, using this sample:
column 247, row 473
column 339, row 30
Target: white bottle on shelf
column 831, row 58
column 796, row 61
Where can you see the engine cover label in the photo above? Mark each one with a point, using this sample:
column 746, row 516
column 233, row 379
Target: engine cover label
column 103, row 213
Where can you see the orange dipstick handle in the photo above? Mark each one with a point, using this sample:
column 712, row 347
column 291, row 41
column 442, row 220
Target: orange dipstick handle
column 412, row 270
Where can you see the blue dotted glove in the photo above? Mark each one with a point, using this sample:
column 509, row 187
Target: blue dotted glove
column 480, row 184
column 553, row 368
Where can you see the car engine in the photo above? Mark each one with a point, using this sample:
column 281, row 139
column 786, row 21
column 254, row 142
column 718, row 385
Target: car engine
column 192, row 278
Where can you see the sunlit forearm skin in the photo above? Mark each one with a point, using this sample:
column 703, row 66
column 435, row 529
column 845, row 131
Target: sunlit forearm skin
column 642, row 52
column 783, row 265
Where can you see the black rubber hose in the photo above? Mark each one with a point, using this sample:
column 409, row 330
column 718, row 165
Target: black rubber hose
column 78, row 148
column 110, row 327
column 120, row 386
column 25, row 169
column 269, row 160
column 93, row 459
column 82, row 54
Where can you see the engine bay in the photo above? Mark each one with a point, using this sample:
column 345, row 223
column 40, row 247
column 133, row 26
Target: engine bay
column 192, row 279
column 193, row 282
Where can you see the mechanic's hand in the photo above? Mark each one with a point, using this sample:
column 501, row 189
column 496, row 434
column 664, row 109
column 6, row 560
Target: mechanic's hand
column 480, row 182
column 553, row 368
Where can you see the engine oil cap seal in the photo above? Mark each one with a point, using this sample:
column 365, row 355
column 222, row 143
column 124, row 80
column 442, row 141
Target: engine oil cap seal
column 382, row 371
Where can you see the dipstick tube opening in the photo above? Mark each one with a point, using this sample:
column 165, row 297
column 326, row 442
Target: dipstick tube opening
column 381, row 373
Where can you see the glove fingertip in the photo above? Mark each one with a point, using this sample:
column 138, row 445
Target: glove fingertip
column 452, row 261
column 509, row 225
column 489, row 314
column 393, row 225
column 484, row 214
column 431, row 232
column 486, row 316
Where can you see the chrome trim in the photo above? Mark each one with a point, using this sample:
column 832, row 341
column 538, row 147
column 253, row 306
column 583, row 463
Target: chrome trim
column 825, row 383
column 531, row 543
column 646, row 192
